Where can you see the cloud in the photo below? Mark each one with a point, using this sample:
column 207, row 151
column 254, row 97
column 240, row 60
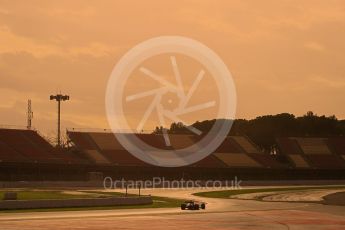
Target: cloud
column 280, row 52
column 12, row 43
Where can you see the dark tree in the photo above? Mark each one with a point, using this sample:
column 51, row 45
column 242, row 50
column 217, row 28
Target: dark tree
column 264, row 129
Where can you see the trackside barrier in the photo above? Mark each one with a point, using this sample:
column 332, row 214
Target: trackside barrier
column 69, row 203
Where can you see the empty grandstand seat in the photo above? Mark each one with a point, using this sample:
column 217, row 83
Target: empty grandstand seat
column 298, row 161
column 229, row 146
column 29, row 146
column 288, row 146
column 326, row 161
column 123, row 158
column 337, row 145
column 314, row 153
column 237, row 160
column 20, row 141
column 180, row 141
column 69, row 157
column 88, row 148
column 318, row 153
column 106, row 141
column 253, row 152
column 210, row 162
column 267, row 160
column 81, row 140
column 38, row 140
column 9, row 155
column 154, row 140
column 246, row 144
column 96, row 156
column 313, row 145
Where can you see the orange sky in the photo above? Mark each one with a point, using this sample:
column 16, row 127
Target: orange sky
column 285, row 56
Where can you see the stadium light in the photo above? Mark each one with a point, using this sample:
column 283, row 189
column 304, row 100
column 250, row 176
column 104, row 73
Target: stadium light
column 59, row 98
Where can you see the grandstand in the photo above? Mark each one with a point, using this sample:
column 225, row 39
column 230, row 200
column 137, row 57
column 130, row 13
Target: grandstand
column 313, row 152
column 24, row 146
column 291, row 149
column 25, row 155
column 237, row 152
column 231, row 153
column 314, row 146
column 250, row 156
column 102, row 148
column 337, row 145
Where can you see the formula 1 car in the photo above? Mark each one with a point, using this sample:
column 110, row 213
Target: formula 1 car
column 192, row 205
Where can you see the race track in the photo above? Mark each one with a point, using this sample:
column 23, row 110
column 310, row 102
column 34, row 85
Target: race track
column 219, row 214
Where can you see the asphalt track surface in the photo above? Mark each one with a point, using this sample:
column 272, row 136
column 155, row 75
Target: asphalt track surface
column 219, row 214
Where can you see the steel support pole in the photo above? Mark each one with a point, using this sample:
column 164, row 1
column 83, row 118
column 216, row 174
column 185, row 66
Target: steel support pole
column 58, row 134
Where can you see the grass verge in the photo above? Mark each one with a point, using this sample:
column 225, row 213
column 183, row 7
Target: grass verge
column 226, row 194
column 158, row 202
column 43, row 195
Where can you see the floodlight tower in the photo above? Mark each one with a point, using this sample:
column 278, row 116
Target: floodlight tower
column 59, row 98
column 30, row 115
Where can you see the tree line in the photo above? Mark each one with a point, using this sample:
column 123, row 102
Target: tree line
column 264, row 129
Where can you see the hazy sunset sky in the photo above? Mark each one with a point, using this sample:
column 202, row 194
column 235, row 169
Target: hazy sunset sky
column 285, row 56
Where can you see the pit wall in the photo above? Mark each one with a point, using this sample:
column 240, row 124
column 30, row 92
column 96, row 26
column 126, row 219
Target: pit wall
column 72, row 203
